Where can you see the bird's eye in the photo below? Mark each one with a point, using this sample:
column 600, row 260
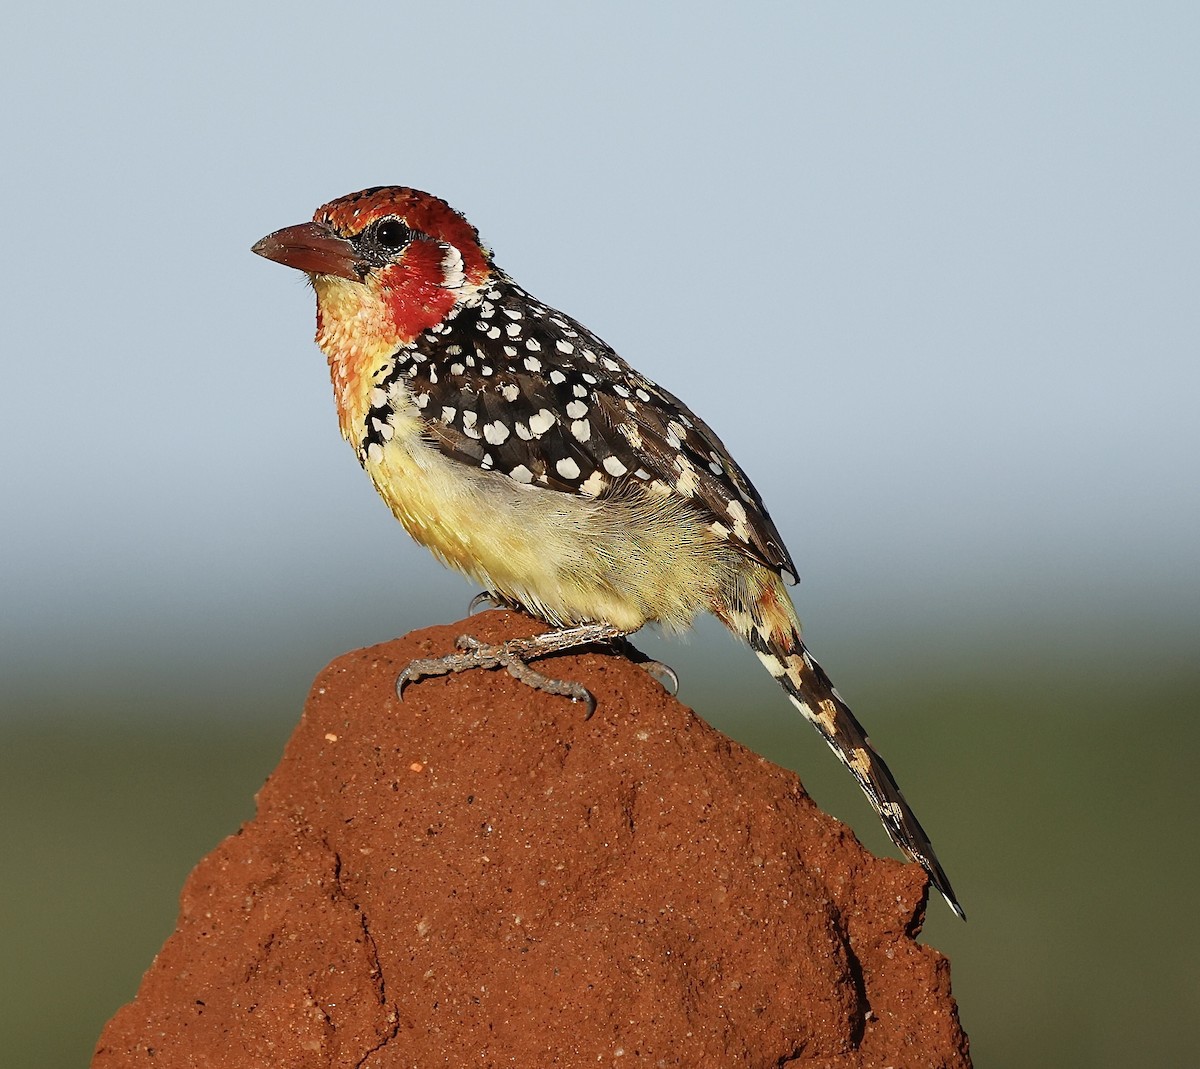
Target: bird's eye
column 391, row 234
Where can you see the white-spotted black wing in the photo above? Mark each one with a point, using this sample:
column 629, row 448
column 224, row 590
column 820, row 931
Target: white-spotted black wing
column 513, row 386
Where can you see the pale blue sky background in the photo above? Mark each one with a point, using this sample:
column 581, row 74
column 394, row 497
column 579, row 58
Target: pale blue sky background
column 930, row 270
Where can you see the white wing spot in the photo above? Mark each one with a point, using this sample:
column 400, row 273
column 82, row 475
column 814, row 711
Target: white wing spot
column 741, row 528
column 567, row 468
column 688, row 482
column 594, row 485
column 576, row 409
column 614, row 467
column 541, row 421
column 521, row 474
column 582, row 429
column 533, row 363
column 631, row 435
column 495, row 432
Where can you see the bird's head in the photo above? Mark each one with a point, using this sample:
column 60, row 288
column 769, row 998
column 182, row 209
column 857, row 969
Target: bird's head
column 386, row 263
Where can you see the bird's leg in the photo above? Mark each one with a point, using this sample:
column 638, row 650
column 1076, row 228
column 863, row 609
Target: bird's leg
column 514, row 656
column 663, row 674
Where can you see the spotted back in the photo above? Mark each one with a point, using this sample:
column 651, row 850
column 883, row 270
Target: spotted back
column 514, row 386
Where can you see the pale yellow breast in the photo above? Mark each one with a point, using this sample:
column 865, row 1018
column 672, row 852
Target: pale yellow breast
column 570, row 559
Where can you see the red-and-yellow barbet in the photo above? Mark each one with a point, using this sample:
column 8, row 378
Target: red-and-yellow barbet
column 525, row 453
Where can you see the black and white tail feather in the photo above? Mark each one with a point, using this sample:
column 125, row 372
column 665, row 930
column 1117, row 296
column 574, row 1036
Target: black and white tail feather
column 782, row 650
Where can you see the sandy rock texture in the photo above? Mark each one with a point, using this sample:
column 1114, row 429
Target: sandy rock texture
column 481, row 876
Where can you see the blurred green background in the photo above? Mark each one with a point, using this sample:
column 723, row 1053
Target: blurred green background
column 929, row 270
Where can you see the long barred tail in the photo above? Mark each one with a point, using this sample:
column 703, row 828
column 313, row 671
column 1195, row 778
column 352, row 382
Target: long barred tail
column 768, row 622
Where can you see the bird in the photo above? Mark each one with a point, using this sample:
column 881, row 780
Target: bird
column 524, row 452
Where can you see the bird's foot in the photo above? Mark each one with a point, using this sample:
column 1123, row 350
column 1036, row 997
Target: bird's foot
column 662, row 674
column 490, row 599
column 514, row 657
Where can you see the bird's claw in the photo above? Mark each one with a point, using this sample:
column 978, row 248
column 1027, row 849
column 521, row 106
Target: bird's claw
column 427, row 667
column 513, row 656
column 485, row 597
column 663, row 674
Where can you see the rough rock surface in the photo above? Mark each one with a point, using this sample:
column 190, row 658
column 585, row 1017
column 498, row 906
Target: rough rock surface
column 480, row 876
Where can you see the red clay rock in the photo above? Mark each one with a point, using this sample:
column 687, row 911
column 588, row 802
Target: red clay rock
column 480, row 876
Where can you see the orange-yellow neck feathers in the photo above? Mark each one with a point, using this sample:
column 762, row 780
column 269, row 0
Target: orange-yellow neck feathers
column 360, row 325
column 387, row 264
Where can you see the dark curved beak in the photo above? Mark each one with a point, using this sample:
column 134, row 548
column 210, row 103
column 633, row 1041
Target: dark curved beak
column 311, row 247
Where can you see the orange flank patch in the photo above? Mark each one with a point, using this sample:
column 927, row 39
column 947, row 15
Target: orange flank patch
column 774, row 613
